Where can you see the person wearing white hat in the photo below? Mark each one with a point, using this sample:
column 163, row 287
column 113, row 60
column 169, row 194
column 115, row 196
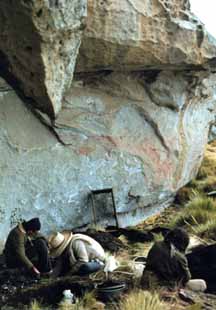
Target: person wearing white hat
column 76, row 253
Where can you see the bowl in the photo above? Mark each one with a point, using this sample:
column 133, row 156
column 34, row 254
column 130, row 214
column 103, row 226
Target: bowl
column 110, row 291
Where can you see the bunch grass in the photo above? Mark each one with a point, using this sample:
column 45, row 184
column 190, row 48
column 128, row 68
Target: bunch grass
column 207, row 230
column 198, row 211
column 141, row 300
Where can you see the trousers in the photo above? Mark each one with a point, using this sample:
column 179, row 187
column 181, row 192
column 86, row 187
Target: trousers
column 89, row 267
column 38, row 254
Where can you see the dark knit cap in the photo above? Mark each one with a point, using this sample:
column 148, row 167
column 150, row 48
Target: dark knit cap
column 179, row 237
column 33, row 224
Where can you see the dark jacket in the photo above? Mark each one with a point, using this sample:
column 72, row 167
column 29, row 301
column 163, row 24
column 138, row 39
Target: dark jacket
column 166, row 265
column 15, row 249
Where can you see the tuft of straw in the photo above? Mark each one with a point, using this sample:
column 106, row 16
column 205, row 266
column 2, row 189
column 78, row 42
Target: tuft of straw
column 141, row 300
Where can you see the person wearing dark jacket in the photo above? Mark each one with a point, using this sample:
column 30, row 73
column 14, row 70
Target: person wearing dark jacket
column 26, row 248
column 167, row 264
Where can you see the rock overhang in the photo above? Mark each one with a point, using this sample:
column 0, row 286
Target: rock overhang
column 54, row 39
column 137, row 35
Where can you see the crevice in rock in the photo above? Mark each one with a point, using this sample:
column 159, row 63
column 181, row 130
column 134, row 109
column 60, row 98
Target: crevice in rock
column 50, row 126
column 153, row 125
column 151, row 97
column 149, row 76
column 200, row 35
column 89, row 77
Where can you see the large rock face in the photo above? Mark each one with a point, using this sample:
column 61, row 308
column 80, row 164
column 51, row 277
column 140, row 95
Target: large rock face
column 136, row 118
column 137, row 34
column 143, row 136
column 41, row 40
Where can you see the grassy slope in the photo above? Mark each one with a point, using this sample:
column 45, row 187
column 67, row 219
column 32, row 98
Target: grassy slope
column 197, row 210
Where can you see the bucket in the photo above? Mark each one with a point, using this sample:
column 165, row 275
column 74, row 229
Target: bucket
column 109, row 291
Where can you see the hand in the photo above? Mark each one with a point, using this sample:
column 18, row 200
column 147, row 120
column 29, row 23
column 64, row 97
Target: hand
column 35, row 270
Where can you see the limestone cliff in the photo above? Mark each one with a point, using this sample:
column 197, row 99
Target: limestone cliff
column 136, row 117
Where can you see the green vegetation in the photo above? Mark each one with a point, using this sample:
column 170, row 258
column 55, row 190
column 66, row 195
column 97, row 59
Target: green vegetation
column 158, row 237
column 87, row 302
column 35, row 305
column 207, row 230
column 198, row 210
column 141, row 300
column 198, row 216
column 195, row 307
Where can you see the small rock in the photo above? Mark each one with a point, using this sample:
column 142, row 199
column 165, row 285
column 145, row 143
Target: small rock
column 186, row 296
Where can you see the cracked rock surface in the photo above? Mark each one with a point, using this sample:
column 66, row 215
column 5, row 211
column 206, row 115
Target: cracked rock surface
column 136, row 117
column 40, row 40
column 143, row 137
column 137, row 34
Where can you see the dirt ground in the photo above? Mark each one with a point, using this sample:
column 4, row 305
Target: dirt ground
column 15, row 294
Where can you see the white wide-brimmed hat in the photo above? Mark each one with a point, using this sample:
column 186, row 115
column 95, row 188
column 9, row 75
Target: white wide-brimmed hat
column 58, row 241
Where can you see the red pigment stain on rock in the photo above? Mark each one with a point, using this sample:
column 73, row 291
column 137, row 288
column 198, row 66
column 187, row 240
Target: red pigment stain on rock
column 110, row 139
column 162, row 168
column 85, row 150
column 106, row 141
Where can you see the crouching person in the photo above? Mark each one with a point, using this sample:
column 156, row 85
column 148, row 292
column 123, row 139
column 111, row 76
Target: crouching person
column 75, row 253
column 26, row 248
column 167, row 264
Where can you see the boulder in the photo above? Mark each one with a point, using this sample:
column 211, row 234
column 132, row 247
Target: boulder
column 135, row 119
column 40, row 41
column 142, row 135
column 137, row 35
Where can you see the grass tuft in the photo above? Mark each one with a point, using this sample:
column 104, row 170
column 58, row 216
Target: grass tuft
column 87, row 302
column 35, row 305
column 158, row 237
column 67, row 306
column 195, row 307
column 141, row 300
column 207, row 230
column 199, row 210
column 206, row 181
